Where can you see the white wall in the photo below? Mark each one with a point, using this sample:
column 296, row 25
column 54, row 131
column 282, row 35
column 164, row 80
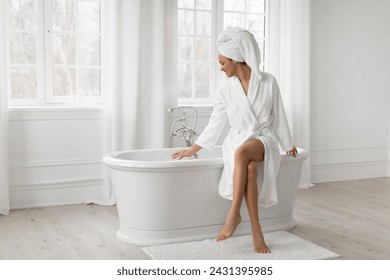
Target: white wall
column 350, row 86
column 350, row 90
column 55, row 156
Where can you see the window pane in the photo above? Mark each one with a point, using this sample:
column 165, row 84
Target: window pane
column 23, row 14
column 184, row 80
column 255, row 6
column 185, row 22
column 23, row 48
column 203, row 47
column 185, row 48
column 261, row 44
column 23, row 83
column 64, row 49
column 88, row 50
column 63, row 15
column 64, row 82
column 89, row 17
column 88, row 82
column 255, row 24
column 234, row 20
column 197, row 21
column 234, row 5
column 203, row 23
column 203, row 4
column 202, row 78
column 187, row 4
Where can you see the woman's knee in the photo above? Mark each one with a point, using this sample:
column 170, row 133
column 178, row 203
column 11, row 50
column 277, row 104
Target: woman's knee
column 252, row 150
column 240, row 156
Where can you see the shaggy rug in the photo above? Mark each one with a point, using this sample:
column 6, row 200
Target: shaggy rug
column 283, row 245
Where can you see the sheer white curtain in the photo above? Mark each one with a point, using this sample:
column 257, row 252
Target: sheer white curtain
column 295, row 74
column 134, row 89
column 4, row 188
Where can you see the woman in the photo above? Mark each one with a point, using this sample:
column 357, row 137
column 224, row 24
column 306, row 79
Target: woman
column 250, row 100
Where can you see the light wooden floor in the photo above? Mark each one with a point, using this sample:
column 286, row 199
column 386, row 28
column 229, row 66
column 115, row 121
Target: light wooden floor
column 350, row 218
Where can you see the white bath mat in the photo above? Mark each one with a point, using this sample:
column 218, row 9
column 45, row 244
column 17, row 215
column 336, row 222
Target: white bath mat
column 284, row 246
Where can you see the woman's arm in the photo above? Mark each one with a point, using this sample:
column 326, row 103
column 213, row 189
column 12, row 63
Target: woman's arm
column 279, row 122
column 186, row 153
column 211, row 133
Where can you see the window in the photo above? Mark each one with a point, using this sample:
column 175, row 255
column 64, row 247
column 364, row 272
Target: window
column 54, row 52
column 198, row 24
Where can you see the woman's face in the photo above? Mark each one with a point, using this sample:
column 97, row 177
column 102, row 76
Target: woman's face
column 227, row 65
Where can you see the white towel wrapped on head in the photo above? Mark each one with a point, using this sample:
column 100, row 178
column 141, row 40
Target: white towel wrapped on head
column 240, row 45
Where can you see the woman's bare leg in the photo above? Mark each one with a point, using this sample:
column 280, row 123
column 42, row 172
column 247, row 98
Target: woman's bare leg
column 251, row 200
column 253, row 150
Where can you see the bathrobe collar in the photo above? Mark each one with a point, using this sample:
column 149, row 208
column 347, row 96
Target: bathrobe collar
column 250, row 96
column 247, row 100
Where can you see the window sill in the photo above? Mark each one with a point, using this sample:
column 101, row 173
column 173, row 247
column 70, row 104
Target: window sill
column 53, row 113
column 202, row 111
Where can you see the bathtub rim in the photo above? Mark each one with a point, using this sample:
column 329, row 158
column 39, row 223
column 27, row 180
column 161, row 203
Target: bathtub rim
column 112, row 161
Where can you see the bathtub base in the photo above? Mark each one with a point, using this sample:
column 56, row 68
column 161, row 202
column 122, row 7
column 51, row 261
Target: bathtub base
column 150, row 238
column 162, row 201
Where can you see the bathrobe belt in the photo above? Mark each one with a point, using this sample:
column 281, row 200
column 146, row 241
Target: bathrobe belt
column 252, row 132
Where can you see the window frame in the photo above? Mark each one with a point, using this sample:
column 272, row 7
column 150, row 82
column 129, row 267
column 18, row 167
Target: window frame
column 213, row 53
column 44, row 63
column 216, row 77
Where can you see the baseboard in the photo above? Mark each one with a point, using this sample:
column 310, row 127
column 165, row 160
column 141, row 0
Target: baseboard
column 54, row 193
column 388, row 161
column 348, row 171
column 348, row 163
column 388, row 165
column 388, row 169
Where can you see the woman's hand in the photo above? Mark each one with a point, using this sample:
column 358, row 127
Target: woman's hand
column 186, row 153
column 183, row 153
column 293, row 152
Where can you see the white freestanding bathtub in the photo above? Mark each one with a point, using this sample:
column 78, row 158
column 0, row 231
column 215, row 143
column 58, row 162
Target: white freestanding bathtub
column 160, row 200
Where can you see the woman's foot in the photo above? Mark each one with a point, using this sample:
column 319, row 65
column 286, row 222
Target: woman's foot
column 259, row 243
column 232, row 221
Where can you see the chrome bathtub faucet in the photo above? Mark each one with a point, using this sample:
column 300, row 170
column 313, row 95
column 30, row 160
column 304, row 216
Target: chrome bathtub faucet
column 184, row 132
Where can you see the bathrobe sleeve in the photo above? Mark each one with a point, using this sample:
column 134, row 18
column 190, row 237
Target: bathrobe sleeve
column 279, row 122
column 214, row 128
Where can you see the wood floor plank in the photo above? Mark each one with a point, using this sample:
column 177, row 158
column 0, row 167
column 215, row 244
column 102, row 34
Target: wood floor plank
column 351, row 218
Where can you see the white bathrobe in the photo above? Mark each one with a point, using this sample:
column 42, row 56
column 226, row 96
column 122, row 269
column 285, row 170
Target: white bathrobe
column 259, row 114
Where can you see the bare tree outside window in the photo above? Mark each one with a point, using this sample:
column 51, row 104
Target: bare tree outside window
column 198, row 25
column 23, row 48
column 194, row 48
column 58, row 57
